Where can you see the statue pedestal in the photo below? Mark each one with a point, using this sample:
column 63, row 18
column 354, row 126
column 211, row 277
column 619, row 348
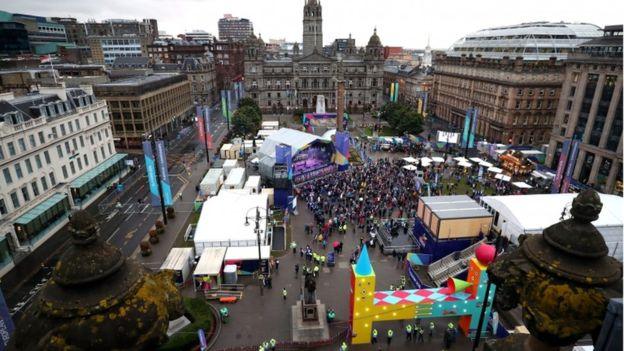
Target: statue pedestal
column 309, row 330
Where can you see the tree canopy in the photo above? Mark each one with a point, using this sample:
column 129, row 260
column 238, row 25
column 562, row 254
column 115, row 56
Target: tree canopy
column 247, row 101
column 246, row 120
column 402, row 118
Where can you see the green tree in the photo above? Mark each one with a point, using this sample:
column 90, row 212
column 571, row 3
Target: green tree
column 402, row 118
column 246, row 121
column 247, row 101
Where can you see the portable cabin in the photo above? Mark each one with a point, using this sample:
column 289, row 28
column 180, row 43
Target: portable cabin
column 236, row 179
column 179, row 260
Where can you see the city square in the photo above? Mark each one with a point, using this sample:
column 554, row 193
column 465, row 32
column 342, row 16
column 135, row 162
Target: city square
column 340, row 179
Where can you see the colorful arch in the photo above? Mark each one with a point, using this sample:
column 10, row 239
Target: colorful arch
column 460, row 298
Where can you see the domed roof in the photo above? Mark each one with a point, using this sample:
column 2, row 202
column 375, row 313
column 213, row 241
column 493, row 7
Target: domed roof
column 374, row 39
column 260, row 41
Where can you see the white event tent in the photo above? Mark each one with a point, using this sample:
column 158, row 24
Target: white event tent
column 531, row 214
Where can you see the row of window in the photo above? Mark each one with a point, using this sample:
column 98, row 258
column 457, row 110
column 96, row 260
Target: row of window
column 24, row 191
column 36, row 140
column 33, row 187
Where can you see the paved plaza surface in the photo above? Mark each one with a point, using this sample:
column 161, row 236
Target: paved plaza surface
column 257, row 318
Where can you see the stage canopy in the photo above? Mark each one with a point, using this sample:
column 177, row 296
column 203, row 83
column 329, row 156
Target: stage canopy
column 297, row 140
column 519, row 214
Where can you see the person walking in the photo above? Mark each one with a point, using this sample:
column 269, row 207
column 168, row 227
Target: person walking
column 284, row 293
column 431, row 330
column 277, row 265
column 272, row 343
column 374, row 337
column 343, row 346
column 316, row 271
column 293, row 246
column 390, row 335
column 408, row 331
column 421, row 335
column 296, row 270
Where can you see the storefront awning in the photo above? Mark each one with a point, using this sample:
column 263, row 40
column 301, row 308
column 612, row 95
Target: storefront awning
column 97, row 170
column 40, row 209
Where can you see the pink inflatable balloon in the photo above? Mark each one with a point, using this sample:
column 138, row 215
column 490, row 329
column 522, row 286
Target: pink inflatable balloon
column 485, row 253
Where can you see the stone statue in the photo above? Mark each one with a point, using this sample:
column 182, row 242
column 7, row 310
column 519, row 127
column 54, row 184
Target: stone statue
column 309, row 295
column 563, row 280
column 98, row 300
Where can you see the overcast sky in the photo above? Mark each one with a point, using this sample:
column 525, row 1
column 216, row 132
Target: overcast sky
column 404, row 23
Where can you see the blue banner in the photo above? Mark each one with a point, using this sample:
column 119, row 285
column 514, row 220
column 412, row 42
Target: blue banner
column 6, row 323
column 150, row 167
column 165, row 184
column 574, row 150
column 229, row 103
column 473, row 130
column 283, row 155
column 466, row 131
column 203, row 344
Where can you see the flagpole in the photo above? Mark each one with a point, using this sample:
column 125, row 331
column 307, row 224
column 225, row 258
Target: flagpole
column 52, row 68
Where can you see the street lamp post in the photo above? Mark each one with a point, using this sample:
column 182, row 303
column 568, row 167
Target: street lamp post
column 257, row 219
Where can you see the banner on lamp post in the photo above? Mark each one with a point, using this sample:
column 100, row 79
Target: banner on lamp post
column 563, row 158
column 165, row 184
column 466, row 131
column 224, row 105
column 208, row 128
column 150, row 168
column 574, row 150
column 473, row 130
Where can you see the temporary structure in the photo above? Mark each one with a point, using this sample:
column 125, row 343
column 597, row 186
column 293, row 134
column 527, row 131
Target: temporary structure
column 531, row 214
column 465, row 164
column 476, row 160
column 502, row 177
column 425, row 160
column 522, row 185
column 485, row 164
column 410, row 159
column 179, row 261
column 208, row 269
column 236, row 179
column 454, row 216
column 223, row 221
column 460, row 159
column 495, row 170
column 410, row 167
column 437, row 159
column 211, row 183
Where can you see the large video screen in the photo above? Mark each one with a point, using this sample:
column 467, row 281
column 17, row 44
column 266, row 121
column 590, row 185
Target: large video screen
column 309, row 161
column 447, row 137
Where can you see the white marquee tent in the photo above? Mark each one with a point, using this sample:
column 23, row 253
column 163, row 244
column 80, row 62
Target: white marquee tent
column 531, row 214
column 222, row 221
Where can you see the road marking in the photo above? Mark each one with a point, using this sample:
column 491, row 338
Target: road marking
column 129, row 208
column 112, row 235
column 144, row 208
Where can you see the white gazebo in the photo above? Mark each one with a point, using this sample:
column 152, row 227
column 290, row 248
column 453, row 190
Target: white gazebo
column 410, row 167
column 495, row 170
column 410, row 159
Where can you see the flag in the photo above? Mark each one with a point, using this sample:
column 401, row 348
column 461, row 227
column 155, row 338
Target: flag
column 45, row 59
